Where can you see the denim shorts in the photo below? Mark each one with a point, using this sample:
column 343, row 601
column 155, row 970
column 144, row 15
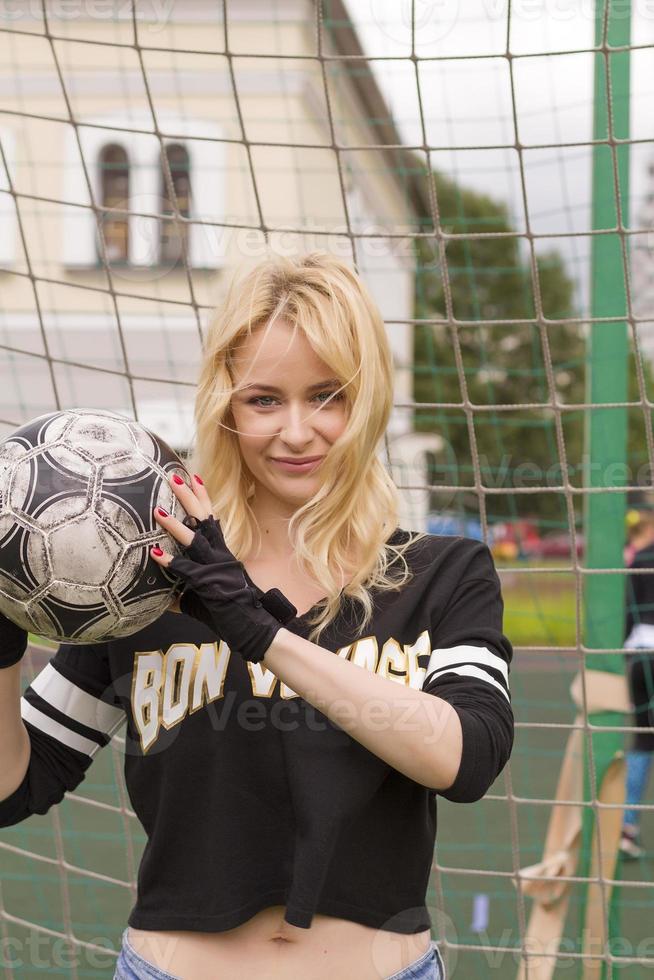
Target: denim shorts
column 131, row 966
column 428, row 967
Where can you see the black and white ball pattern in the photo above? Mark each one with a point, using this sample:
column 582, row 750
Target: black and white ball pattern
column 77, row 491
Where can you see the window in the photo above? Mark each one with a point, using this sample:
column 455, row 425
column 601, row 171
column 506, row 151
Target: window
column 127, row 172
column 173, row 239
column 114, row 193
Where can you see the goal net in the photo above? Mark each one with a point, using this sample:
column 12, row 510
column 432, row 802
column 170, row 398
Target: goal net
column 486, row 167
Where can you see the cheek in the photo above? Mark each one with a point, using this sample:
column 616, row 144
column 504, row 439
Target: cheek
column 252, row 433
column 336, row 425
column 240, row 429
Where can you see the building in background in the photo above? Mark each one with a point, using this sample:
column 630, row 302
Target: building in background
column 238, row 128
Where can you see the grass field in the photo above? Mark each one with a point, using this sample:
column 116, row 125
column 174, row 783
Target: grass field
column 539, row 608
column 479, row 846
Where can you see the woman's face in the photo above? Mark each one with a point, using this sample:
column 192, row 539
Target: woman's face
column 290, row 418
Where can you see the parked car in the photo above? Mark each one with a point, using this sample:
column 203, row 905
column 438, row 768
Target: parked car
column 455, row 525
column 558, row 544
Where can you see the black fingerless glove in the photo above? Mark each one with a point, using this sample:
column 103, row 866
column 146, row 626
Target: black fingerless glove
column 13, row 642
column 218, row 594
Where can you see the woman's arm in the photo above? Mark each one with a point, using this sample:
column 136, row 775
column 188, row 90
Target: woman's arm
column 14, row 739
column 67, row 718
column 455, row 734
column 417, row 733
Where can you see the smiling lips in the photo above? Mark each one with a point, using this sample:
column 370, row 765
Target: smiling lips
column 297, row 462
column 299, row 466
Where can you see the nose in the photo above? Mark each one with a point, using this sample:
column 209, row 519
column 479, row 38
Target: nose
column 297, row 427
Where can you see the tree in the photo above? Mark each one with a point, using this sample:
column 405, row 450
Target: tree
column 504, row 364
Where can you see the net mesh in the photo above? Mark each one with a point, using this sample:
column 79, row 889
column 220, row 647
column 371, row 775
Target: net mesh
column 145, row 149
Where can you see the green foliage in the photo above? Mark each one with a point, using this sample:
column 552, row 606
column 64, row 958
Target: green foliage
column 504, row 364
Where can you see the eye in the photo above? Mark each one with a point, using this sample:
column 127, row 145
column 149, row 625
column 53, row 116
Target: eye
column 259, row 398
column 337, row 396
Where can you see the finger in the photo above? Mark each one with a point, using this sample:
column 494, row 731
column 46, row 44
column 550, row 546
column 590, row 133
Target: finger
column 194, row 499
column 201, row 494
column 160, row 556
column 172, row 526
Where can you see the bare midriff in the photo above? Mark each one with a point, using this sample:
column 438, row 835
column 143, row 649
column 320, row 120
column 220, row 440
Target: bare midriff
column 268, row 948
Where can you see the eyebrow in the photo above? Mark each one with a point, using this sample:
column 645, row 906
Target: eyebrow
column 320, row 384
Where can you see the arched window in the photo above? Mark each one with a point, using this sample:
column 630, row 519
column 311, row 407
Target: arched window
column 174, row 234
column 114, row 185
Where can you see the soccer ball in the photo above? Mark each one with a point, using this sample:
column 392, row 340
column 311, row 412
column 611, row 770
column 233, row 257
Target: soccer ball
column 77, row 491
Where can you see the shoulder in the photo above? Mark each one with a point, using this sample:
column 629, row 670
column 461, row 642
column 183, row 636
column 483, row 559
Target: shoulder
column 643, row 558
column 468, row 555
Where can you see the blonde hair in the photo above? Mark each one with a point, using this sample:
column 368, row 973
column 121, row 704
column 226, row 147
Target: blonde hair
column 351, row 516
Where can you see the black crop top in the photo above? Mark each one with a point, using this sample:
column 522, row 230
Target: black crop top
column 249, row 796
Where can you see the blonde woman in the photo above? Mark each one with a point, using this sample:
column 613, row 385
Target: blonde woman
column 330, row 673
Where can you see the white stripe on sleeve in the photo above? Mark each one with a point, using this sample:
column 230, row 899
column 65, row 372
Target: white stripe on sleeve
column 470, row 671
column 466, row 654
column 56, row 730
column 71, row 700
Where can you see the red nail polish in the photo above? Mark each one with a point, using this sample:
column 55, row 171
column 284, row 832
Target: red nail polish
column 196, row 477
column 157, row 551
column 162, row 512
column 178, row 480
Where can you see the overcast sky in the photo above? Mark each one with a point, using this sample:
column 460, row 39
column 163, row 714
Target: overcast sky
column 468, row 103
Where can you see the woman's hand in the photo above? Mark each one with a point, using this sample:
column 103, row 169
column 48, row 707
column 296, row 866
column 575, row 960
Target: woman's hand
column 196, row 503
column 217, row 592
column 197, row 500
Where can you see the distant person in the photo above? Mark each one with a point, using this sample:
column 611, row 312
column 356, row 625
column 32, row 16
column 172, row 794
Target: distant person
column 639, row 634
column 633, row 522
